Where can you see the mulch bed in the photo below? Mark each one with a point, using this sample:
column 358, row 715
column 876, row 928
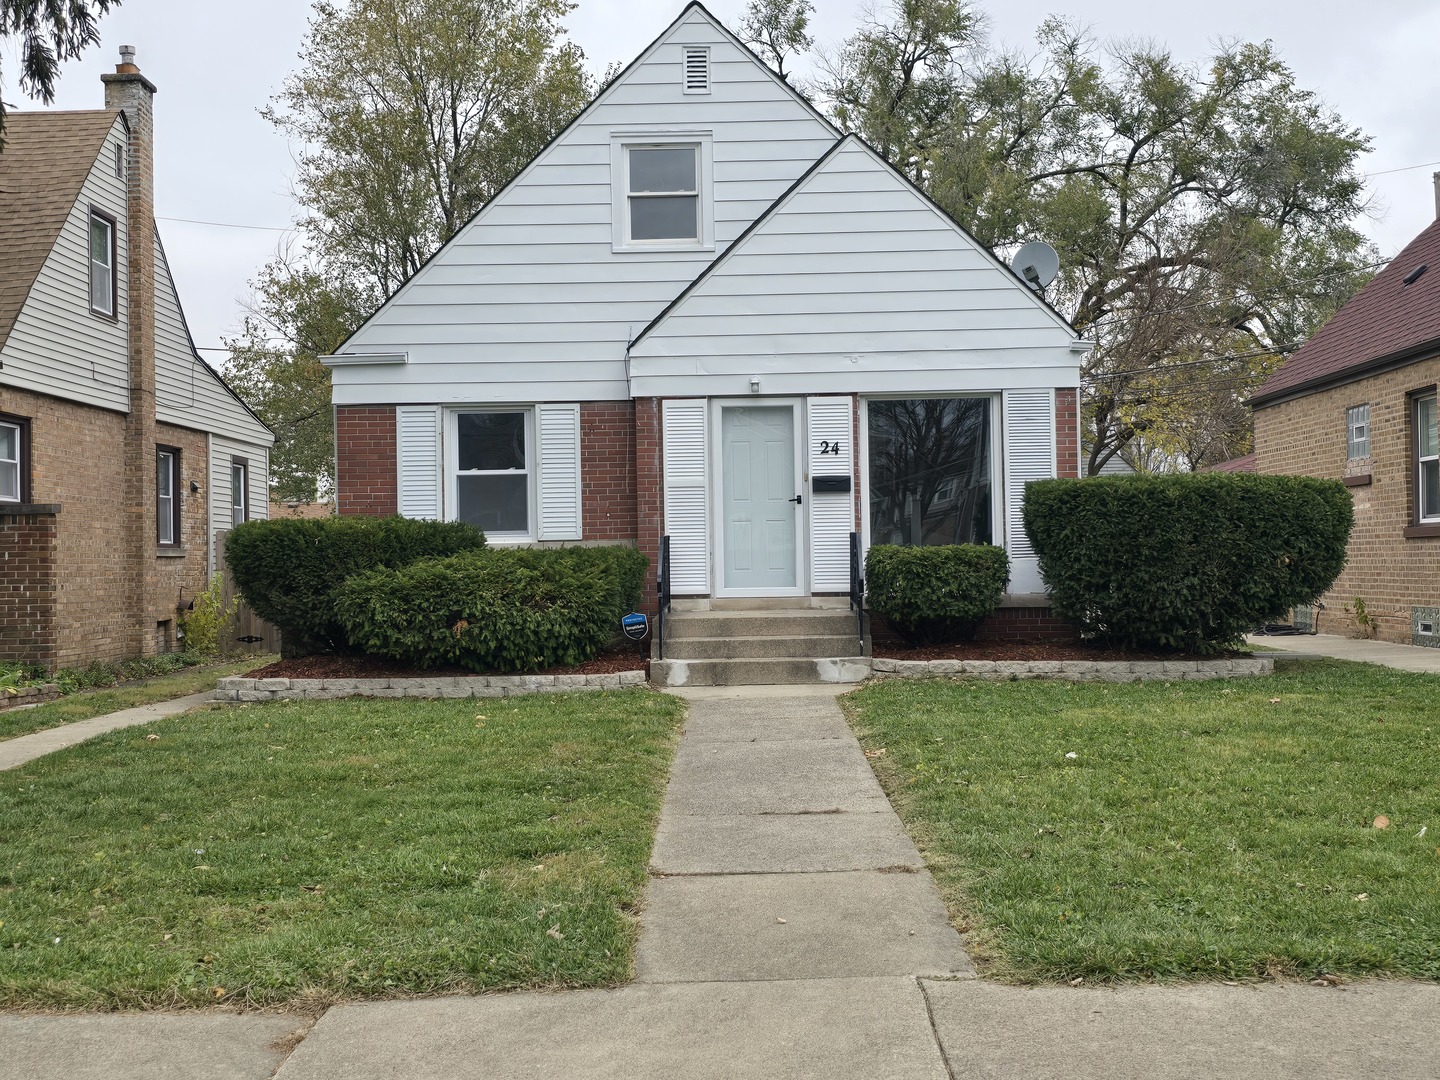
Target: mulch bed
column 1032, row 650
column 374, row 667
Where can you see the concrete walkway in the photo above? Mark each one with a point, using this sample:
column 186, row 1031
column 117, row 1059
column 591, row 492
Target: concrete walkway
column 16, row 752
column 1403, row 657
column 789, row 931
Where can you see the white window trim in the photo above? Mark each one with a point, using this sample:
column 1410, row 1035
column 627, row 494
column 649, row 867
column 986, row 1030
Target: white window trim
column 620, row 142
column 113, row 292
column 15, row 462
column 239, row 512
column 997, row 466
column 1351, row 426
column 165, row 521
column 1421, row 515
column 532, row 472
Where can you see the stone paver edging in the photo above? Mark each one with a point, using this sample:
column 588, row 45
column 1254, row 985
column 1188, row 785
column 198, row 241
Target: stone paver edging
column 1076, row 670
column 239, row 688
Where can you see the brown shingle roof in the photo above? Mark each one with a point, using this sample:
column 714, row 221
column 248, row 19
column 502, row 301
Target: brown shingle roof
column 1244, row 463
column 1386, row 318
column 46, row 157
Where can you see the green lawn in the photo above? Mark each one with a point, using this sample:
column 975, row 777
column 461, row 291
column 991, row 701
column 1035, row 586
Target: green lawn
column 1203, row 829
column 317, row 851
column 88, row 703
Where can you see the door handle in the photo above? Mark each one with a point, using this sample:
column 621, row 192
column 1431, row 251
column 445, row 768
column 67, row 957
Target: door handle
column 796, row 500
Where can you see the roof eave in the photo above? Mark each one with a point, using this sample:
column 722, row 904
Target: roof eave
column 1409, row 355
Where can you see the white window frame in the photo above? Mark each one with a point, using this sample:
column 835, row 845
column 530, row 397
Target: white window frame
column 1357, row 432
column 621, row 142
column 997, row 465
column 239, row 512
column 113, row 291
column 15, row 464
column 1424, row 515
column 167, row 466
column 531, row 472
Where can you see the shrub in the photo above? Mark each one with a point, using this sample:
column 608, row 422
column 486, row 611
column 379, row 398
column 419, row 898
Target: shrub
column 510, row 609
column 288, row 568
column 1185, row 562
column 935, row 594
column 203, row 623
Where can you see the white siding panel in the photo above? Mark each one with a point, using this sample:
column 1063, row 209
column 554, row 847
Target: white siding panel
column 687, row 517
column 1029, row 447
column 417, row 436
column 559, row 472
column 534, row 278
column 831, row 427
column 58, row 346
column 223, row 452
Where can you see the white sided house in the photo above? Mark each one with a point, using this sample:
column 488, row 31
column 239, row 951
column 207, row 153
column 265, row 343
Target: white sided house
column 702, row 313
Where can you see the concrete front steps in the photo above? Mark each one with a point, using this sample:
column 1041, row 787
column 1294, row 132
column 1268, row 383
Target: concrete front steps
column 762, row 647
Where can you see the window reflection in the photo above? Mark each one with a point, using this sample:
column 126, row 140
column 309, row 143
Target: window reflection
column 930, row 471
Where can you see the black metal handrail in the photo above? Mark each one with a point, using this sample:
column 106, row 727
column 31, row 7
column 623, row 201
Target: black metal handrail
column 857, row 588
column 662, row 588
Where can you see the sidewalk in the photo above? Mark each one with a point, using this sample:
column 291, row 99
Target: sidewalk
column 1403, row 657
column 16, row 752
column 789, row 930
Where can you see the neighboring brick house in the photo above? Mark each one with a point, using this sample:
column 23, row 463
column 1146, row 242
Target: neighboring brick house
column 1358, row 403
column 122, row 453
column 704, row 313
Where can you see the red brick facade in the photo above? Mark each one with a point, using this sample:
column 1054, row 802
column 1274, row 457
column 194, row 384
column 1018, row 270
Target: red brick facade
column 1394, row 574
column 29, row 630
column 609, row 512
column 1067, row 434
column 365, row 460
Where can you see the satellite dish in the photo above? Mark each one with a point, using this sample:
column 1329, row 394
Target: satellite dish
column 1036, row 264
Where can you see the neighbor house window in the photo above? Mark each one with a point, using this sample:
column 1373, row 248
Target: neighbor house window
column 930, row 471
column 1427, row 459
column 239, row 495
column 167, row 496
column 663, row 193
column 12, row 471
column 102, row 264
column 1357, row 428
column 493, row 471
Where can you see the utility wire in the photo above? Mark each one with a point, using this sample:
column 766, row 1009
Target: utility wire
column 225, row 224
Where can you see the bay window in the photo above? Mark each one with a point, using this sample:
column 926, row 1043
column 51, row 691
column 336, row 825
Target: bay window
column 930, row 467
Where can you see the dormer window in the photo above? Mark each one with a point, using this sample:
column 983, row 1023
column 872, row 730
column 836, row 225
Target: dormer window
column 661, row 188
column 102, row 264
column 663, row 193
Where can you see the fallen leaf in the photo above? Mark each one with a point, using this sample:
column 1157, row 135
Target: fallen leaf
column 780, row 920
column 201, row 867
column 1382, row 822
column 1274, row 701
column 219, row 992
column 1362, row 897
column 152, row 737
column 1071, row 756
column 313, row 888
column 1077, row 980
column 554, row 932
column 875, row 753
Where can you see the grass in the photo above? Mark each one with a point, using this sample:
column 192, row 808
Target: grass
column 1201, row 830
column 84, row 705
column 310, row 852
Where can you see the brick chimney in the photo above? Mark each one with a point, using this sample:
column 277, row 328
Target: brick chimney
column 131, row 93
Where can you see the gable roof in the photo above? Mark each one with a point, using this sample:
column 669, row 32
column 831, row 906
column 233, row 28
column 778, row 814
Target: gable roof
column 850, row 141
column 1387, row 323
column 44, row 163
column 594, row 103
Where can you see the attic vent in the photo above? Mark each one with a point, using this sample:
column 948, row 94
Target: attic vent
column 697, row 69
column 1414, row 275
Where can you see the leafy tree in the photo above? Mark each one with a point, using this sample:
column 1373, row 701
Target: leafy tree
column 413, row 115
column 1201, row 212
column 777, row 30
column 48, row 33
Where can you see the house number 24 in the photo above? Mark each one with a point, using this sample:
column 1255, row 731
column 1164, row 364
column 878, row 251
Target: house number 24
column 827, row 447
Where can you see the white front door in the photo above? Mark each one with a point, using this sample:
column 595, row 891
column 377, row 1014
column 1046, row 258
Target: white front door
column 760, row 513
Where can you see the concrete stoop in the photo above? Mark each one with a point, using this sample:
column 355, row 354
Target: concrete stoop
column 761, row 647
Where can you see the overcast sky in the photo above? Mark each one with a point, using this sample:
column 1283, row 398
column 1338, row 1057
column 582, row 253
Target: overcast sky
column 216, row 63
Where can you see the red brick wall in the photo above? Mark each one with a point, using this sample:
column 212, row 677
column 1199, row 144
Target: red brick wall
column 29, row 630
column 365, row 467
column 1025, row 624
column 649, row 491
column 1067, row 433
column 607, row 470
column 181, row 575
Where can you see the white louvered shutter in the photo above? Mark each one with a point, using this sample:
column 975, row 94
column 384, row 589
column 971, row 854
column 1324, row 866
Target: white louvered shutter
column 559, row 472
column 1029, row 437
column 687, row 517
column 697, row 69
column 417, row 440
column 831, row 452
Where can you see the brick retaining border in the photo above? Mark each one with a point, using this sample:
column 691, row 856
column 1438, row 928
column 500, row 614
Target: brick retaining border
column 1076, row 670
column 22, row 696
column 238, row 688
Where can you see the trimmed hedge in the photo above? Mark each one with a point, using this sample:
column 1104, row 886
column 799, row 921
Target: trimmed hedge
column 1187, row 562
column 288, row 568
column 933, row 595
column 507, row 609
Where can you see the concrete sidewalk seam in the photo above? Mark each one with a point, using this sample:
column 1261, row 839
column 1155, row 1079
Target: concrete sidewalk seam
column 934, row 1028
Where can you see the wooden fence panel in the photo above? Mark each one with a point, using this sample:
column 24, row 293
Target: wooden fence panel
column 247, row 632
